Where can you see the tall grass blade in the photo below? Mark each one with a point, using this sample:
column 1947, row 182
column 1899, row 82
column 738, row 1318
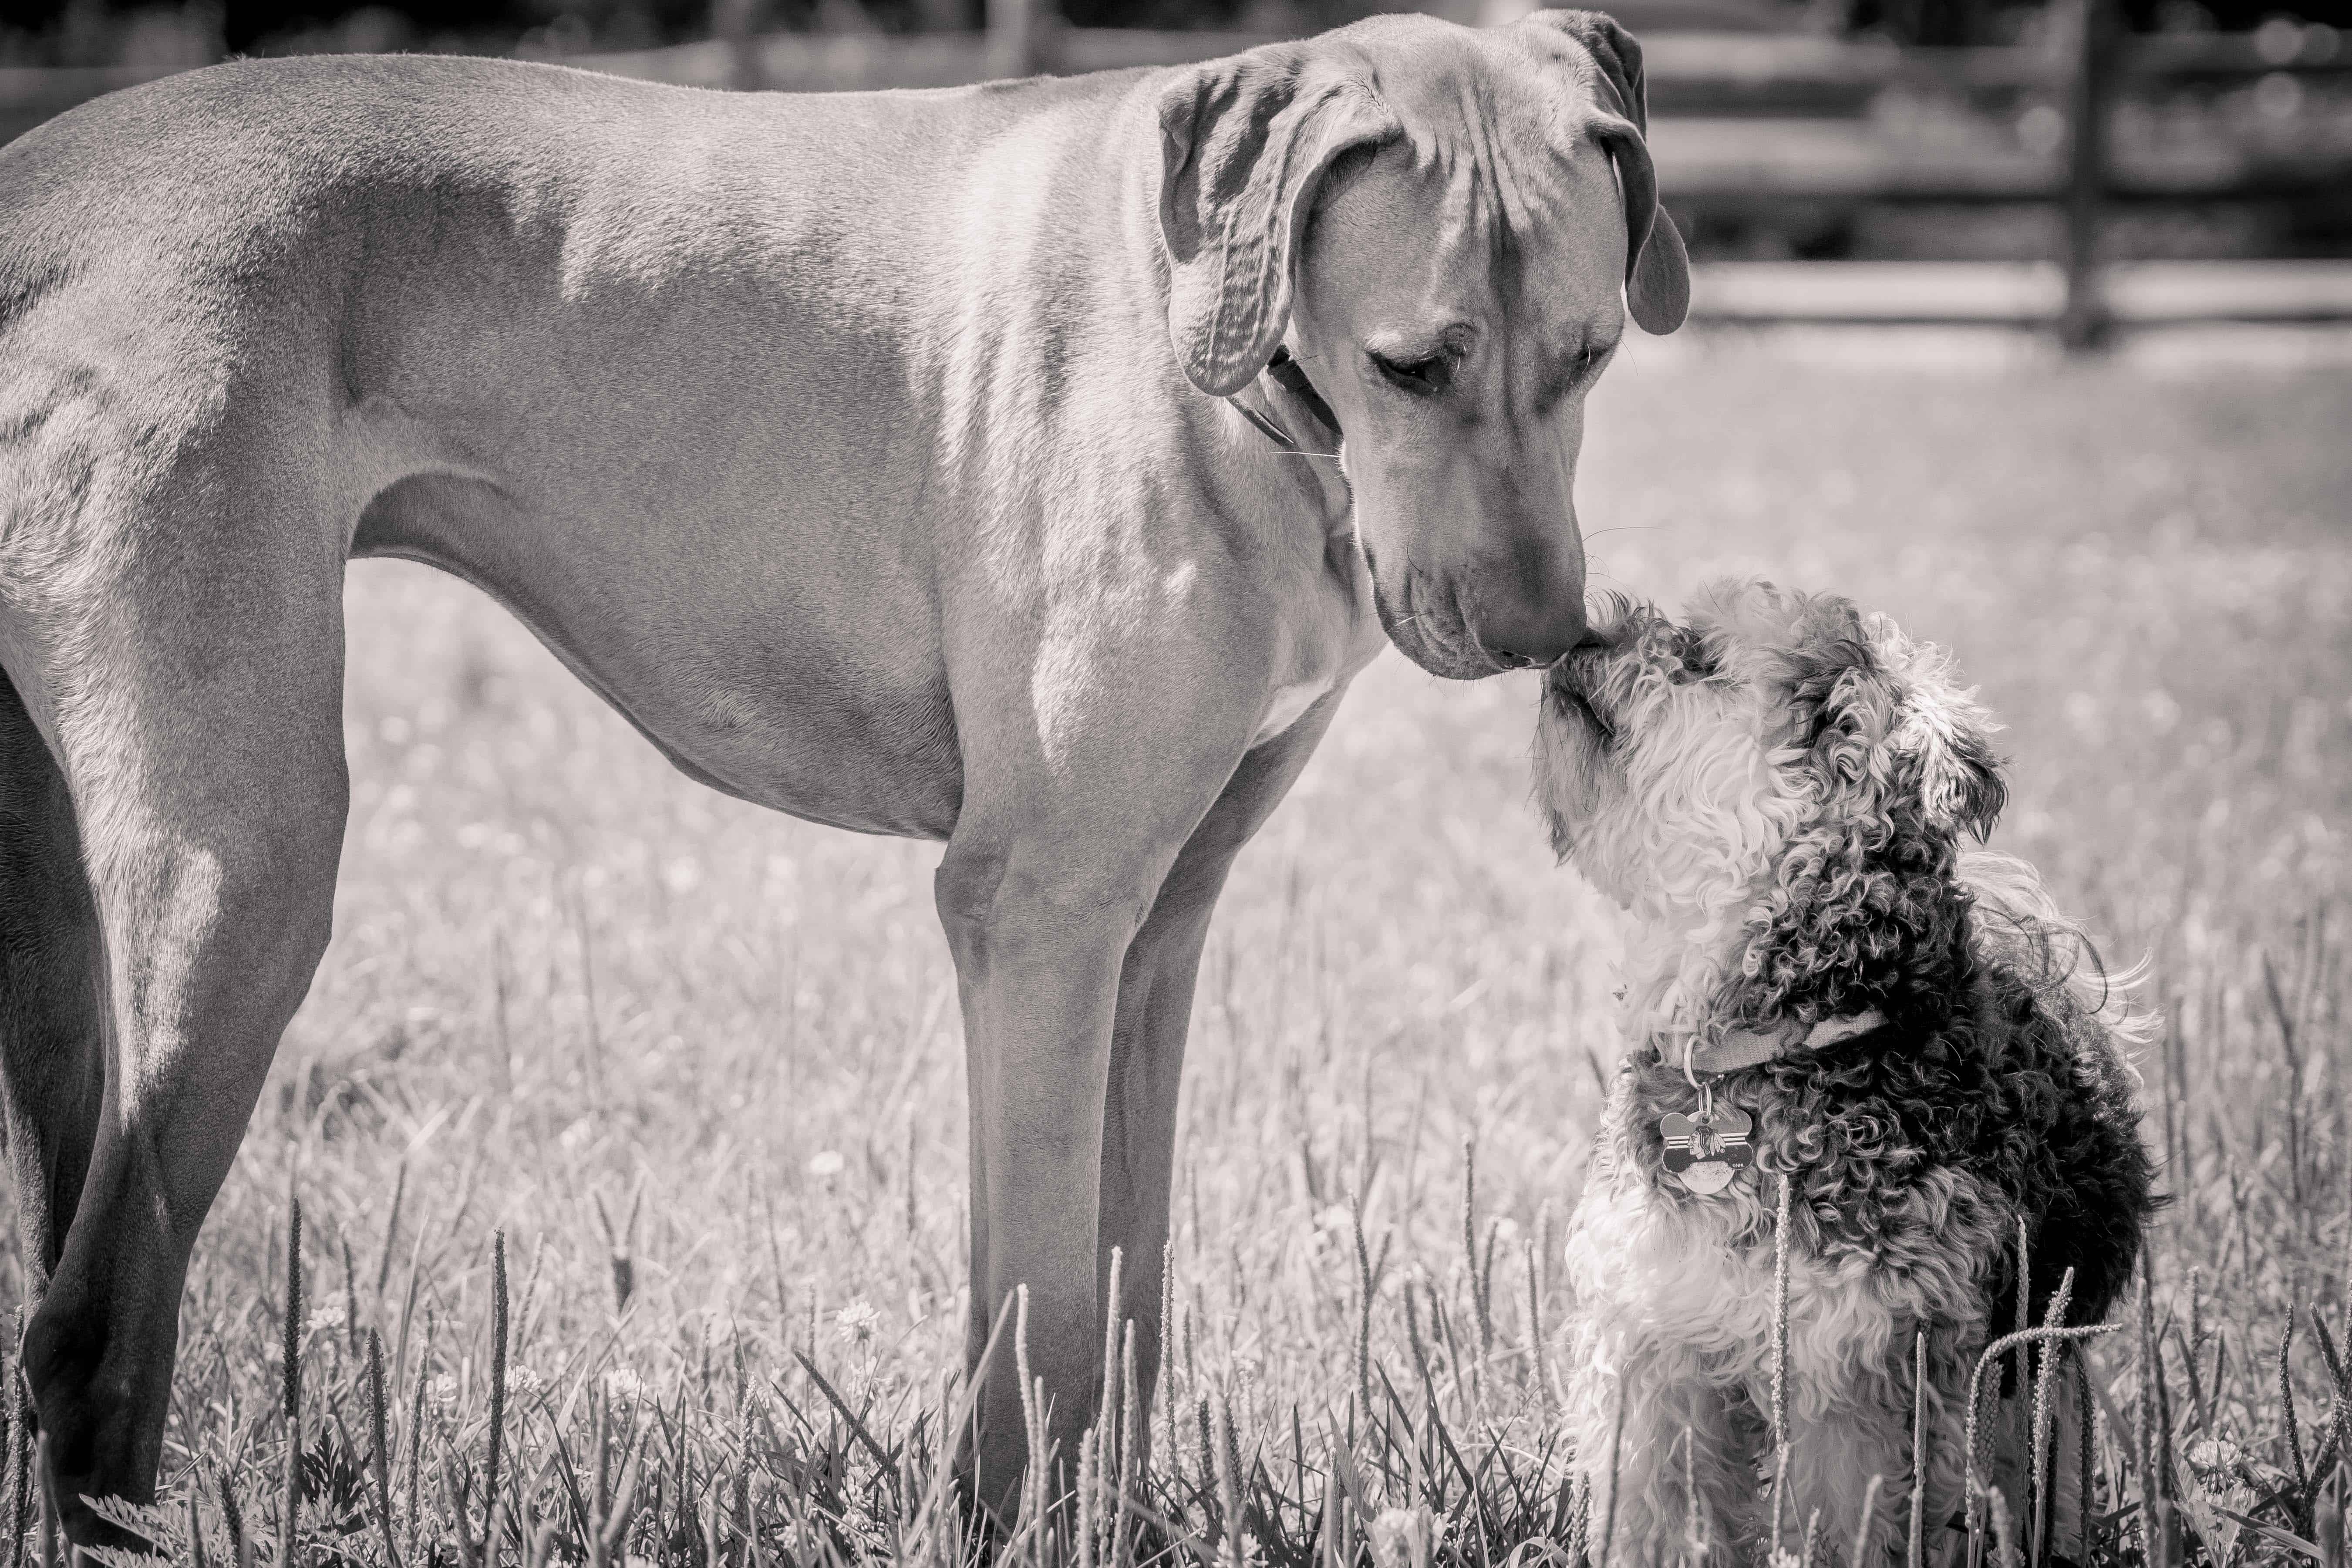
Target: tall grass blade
column 380, row 1439
column 496, row 1439
column 1106, row 1410
column 240, row 1546
column 2039, row 1513
column 1131, row 1472
column 1167, row 1328
column 2293, row 1430
column 1861, row 1556
column 1478, row 1301
column 1916, row 1543
column 1978, row 1439
column 1780, row 1351
column 291, row 1388
column 391, row 1228
column 1363, row 1307
column 49, row 1504
column 2003, row 1531
column 1090, row 1446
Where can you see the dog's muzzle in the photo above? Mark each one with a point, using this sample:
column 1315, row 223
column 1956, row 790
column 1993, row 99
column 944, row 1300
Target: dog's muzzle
column 1571, row 681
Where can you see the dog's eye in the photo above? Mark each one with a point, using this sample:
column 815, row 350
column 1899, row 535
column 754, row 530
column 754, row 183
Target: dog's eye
column 1422, row 377
column 1696, row 660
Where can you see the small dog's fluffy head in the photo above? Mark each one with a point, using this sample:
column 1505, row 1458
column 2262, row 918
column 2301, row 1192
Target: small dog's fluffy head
column 1678, row 763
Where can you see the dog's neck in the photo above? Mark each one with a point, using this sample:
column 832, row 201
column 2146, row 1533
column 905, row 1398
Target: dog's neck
column 1675, row 971
column 1681, row 974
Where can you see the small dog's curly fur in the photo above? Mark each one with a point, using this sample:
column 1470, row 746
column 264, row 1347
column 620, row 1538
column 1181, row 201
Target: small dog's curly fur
column 1778, row 792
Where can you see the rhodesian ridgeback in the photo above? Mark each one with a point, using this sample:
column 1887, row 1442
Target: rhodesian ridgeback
column 964, row 465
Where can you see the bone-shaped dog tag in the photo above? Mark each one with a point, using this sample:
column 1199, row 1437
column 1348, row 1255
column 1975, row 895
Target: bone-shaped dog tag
column 1704, row 1152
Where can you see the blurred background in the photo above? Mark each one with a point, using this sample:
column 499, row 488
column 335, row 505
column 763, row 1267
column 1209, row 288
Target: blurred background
column 2074, row 166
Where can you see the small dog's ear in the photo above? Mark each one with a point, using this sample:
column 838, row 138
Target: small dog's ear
column 1245, row 142
column 1968, row 788
column 1941, row 732
column 1657, row 267
column 1838, row 685
column 1945, row 734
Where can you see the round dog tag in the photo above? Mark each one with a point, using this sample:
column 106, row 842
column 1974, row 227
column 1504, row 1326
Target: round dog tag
column 1705, row 1178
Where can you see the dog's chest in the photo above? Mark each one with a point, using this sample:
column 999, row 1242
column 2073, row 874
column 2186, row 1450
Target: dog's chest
column 1289, row 704
column 1858, row 1170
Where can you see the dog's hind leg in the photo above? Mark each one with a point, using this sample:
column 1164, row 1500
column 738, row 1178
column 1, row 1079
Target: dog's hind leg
column 52, row 990
column 191, row 674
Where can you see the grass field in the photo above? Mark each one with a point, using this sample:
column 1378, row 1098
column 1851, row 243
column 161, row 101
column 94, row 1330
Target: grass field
column 646, row 1032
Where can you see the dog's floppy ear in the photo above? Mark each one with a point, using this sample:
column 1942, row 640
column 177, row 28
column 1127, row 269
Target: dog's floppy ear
column 1657, row 267
column 1939, row 730
column 1884, row 713
column 1960, row 783
column 1245, row 142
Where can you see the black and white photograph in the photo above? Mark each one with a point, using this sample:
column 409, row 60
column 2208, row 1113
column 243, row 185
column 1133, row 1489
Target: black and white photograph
column 1175, row 784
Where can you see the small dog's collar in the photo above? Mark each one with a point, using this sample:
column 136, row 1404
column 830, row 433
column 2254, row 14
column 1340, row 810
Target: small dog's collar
column 1752, row 1047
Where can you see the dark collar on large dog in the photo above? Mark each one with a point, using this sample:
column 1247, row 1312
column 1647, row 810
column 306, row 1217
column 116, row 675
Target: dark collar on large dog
column 1291, row 378
column 1737, row 1048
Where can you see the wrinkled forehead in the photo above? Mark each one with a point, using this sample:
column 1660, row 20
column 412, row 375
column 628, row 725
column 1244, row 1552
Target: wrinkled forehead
column 1502, row 160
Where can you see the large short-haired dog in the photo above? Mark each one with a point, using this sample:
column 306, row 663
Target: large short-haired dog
column 961, row 464
column 1826, row 988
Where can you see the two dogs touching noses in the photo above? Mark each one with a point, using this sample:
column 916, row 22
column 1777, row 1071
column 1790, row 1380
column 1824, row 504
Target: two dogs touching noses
column 1023, row 577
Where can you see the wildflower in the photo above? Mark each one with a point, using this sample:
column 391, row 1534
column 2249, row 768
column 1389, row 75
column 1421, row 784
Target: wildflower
column 1401, row 1538
column 856, row 1323
column 827, row 1163
column 524, row 1383
column 445, row 1391
column 623, row 1383
column 325, row 1318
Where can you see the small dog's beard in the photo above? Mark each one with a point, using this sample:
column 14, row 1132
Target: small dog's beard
column 1671, row 803
column 1576, row 780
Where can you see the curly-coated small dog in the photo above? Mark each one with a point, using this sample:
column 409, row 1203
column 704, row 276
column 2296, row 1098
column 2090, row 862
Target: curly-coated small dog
column 1825, row 987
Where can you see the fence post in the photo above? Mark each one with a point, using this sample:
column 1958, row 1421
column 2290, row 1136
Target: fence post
column 2084, row 322
column 733, row 22
column 1013, row 37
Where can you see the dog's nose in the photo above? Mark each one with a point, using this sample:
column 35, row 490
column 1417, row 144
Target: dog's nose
column 1536, row 621
column 1536, row 633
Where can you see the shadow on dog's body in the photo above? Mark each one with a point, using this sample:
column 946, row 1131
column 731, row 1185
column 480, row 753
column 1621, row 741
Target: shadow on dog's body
column 1984, row 1093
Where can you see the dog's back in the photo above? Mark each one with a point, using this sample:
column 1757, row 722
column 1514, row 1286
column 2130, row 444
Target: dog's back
column 2070, row 1157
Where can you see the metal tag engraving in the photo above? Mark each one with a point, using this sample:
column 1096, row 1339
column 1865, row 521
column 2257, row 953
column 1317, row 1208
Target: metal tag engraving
column 1704, row 1152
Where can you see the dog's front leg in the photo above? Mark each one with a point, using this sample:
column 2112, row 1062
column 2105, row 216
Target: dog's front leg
column 1155, row 1009
column 1085, row 776
column 1038, row 965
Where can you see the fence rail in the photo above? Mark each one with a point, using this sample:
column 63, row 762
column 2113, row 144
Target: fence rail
column 2018, row 293
column 1743, row 124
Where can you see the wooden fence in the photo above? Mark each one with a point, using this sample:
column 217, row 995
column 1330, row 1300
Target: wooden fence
column 1749, row 125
